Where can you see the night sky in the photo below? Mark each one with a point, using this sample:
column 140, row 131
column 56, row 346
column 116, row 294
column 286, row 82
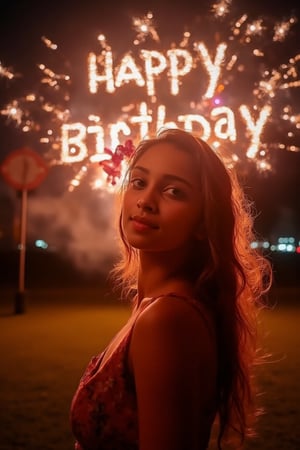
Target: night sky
column 74, row 27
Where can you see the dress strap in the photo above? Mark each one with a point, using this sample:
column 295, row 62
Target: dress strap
column 193, row 302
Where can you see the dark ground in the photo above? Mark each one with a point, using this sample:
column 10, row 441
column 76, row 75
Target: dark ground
column 70, row 316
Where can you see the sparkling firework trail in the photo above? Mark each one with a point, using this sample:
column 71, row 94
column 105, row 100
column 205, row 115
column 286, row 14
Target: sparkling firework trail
column 241, row 99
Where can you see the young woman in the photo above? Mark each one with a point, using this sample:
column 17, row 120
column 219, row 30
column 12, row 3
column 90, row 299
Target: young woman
column 185, row 357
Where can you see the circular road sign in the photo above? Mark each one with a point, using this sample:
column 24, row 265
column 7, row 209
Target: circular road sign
column 24, row 169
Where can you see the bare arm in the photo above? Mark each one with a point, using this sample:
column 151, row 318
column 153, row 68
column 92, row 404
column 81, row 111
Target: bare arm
column 173, row 357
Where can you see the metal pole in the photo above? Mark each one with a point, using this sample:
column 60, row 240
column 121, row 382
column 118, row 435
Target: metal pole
column 20, row 296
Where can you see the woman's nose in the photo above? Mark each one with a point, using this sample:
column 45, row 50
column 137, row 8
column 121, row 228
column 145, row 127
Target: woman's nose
column 146, row 205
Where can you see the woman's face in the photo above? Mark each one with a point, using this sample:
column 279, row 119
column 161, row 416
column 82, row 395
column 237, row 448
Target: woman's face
column 162, row 205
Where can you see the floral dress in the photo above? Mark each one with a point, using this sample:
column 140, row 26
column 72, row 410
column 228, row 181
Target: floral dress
column 104, row 408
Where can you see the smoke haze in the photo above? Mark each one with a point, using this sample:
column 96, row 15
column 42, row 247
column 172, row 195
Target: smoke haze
column 79, row 226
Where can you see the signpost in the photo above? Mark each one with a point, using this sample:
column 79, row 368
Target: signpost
column 24, row 170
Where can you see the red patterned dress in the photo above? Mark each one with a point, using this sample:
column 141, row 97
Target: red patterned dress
column 104, row 407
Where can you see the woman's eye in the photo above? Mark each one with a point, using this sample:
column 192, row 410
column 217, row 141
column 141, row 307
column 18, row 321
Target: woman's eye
column 137, row 183
column 174, row 192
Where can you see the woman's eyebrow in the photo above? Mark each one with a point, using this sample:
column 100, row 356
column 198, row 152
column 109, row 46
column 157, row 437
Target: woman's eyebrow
column 167, row 176
column 143, row 169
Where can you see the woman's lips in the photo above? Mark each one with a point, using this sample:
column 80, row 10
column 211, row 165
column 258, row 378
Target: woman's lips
column 142, row 224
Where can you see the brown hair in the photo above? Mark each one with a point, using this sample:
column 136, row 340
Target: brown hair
column 228, row 275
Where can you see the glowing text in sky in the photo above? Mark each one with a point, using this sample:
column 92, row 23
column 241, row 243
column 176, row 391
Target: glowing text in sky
column 143, row 72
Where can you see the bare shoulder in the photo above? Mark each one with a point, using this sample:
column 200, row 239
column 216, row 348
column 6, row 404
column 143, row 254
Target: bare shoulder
column 173, row 359
column 169, row 313
column 171, row 327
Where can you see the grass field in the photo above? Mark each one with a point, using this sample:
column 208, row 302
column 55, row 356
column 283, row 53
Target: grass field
column 45, row 351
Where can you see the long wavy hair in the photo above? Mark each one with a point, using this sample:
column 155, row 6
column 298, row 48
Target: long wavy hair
column 228, row 275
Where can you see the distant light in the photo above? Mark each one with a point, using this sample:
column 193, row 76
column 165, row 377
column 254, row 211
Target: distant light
column 298, row 249
column 290, row 248
column 40, row 243
column 260, row 244
column 286, row 240
column 282, row 247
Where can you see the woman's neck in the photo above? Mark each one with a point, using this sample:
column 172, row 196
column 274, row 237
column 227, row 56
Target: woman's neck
column 161, row 273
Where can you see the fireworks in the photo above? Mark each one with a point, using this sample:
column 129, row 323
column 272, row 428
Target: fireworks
column 6, row 72
column 223, row 89
column 221, row 8
column 144, row 27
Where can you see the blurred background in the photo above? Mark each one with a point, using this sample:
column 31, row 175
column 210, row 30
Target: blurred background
column 251, row 116
column 44, row 85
